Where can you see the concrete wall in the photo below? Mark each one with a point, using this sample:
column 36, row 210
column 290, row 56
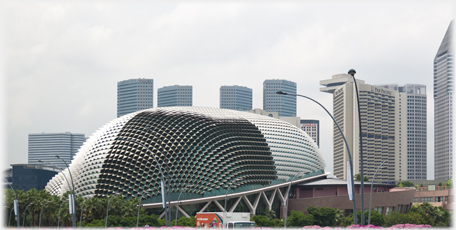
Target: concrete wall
column 381, row 199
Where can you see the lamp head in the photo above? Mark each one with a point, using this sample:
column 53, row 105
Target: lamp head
column 352, row 72
column 280, row 92
column 57, row 156
column 40, row 161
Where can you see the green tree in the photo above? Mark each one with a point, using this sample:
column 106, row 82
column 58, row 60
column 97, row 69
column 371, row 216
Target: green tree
column 434, row 216
column 358, row 178
column 324, row 216
column 407, row 184
column 400, row 185
column 449, row 183
column 394, row 218
column 262, row 221
column 299, row 219
column 269, row 214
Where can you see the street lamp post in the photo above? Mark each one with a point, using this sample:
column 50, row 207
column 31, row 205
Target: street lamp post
column 139, row 205
column 159, row 168
column 346, row 144
column 372, row 185
column 39, row 224
column 288, row 195
column 361, row 160
column 15, row 205
column 177, row 207
column 226, row 196
column 82, row 209
column 23, row 223
column 71, row 197
column 107, row 208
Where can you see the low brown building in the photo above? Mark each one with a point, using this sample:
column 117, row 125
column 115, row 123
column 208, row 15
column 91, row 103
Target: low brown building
column 439, row 197
column 333, row 193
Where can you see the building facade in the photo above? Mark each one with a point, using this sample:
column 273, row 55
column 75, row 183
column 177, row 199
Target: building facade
column 177, row 95
column 380, row 130
column 332, row 193
column 206, row 147
column 443, row 108
column 45, row 146
column 273, row 102
column 236, row 98
column 413, row 128
column 312, row 127
column 134, row 95
column 29, row 176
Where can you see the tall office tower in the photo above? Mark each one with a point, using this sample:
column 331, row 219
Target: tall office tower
column 380, row 128
column 45, row 146
column 312, row 128
column 272, row 102
column 235, row 98
column 134, row 95
column 443, row 108
column 176, row 95
column 413, row 128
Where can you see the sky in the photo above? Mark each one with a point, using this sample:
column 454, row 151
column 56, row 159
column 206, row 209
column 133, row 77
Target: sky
column 62, row 60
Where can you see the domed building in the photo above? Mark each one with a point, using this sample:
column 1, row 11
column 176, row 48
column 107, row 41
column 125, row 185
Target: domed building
column 206, row 147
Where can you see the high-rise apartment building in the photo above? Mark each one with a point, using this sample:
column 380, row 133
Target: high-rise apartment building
column 176, row 95
column 45, row 146
column 413, row 128
column 312, row 128
column 273, row 102
column 380, row 129
column 235, row 98
column 134, row 95
column 443, row 108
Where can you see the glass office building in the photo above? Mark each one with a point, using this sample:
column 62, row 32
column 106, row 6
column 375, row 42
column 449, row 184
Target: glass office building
column 45, row 146
column 176, row 95
column 29, row 176
column 312, row 128
column 236, row 98
column 413, row 128
column 443, row 108
column 273, row 102
column 134, row 95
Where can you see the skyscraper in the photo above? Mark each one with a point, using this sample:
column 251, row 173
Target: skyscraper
column 177, row 95
column 413, row 128
column 272, row 102
column 235, row 98
column 443, row 108
column 312, row 128
column 45, row 146
column 380, row 130
column 134, row 95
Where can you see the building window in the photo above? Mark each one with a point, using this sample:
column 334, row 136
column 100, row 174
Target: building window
column 389, row 210
column 399, row 208
column 415, row 200
column 439, row 199
column 427, row 199
column 378, row 210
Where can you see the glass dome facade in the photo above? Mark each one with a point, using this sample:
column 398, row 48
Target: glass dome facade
column 205, row 147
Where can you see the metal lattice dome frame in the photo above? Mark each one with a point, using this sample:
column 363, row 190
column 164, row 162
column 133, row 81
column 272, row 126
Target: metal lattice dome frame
column 205, row 147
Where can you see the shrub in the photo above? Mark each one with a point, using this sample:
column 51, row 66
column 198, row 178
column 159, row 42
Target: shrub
column 299, row 219
column 324, row 216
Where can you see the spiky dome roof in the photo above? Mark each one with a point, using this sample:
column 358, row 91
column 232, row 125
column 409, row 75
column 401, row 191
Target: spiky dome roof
column 205, row 147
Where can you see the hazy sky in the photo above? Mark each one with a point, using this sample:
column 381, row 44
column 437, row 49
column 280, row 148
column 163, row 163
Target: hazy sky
column 62, row 60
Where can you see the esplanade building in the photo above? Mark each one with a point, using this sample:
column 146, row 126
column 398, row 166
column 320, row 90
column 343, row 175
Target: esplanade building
column 210, row 149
